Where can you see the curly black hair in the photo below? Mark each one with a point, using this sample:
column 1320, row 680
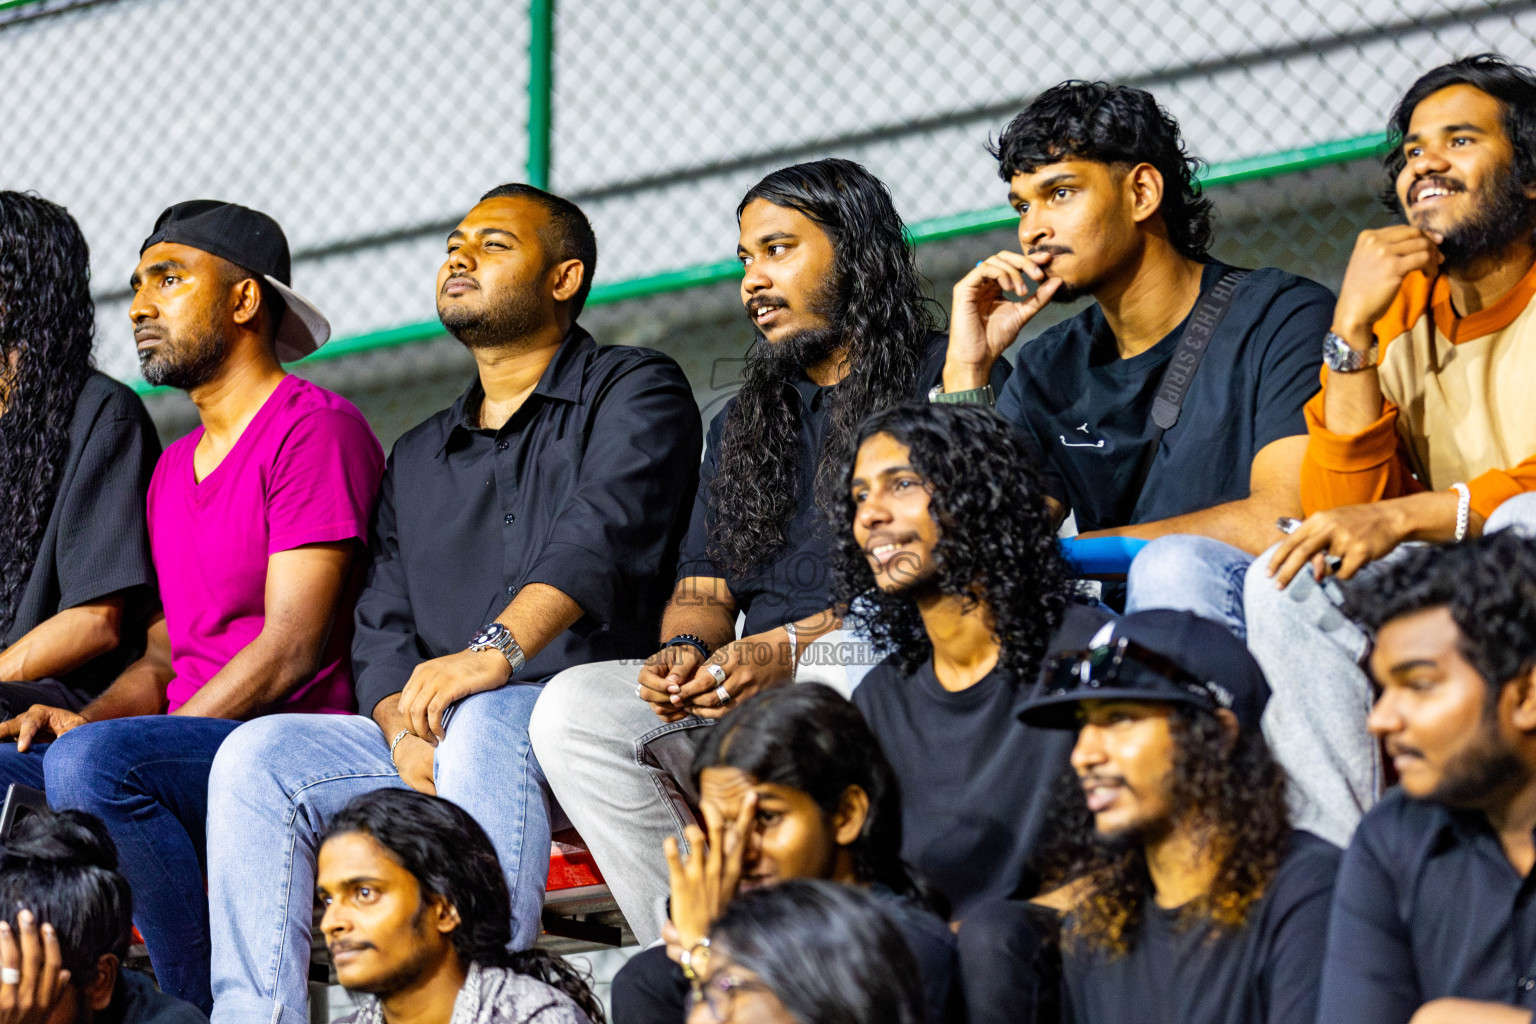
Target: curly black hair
column 810, row 738
column 1511, row 84
column 1116, row 125
column 452, row 858
column 47, row 327
column 997, row 538
column 1237, row 790
column 1488, row 585
column 882, row 319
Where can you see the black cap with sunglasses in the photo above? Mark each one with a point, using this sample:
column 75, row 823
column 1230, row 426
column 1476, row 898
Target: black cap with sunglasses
column 1158, row 655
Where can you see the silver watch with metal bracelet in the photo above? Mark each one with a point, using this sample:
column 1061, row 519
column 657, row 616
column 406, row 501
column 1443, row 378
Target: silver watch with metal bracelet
column 493, row 636
column 1341, row 357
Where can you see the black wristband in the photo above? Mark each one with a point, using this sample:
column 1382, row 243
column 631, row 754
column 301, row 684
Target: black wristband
column 697, row 643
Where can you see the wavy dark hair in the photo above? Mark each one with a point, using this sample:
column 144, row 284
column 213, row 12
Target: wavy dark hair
column 47, row 326
column 452, row 859
column 1234, row 792
column 882, row 321
column 1511, row 84
column 997, row 538
column 62, row 866
column 810, row 738
column 1489, row 587
column 828, row 952
column 1116, row 125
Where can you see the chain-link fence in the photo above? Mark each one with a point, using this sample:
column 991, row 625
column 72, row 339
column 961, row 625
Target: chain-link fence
column 368, row 127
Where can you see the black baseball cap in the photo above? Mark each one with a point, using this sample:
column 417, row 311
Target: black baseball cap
column 1156, row 655
column 254, row 242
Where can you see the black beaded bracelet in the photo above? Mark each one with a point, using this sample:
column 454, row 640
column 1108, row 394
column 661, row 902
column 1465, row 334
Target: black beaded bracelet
column 697, row 643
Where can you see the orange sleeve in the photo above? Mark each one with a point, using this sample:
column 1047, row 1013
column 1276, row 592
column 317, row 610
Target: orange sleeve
column 1353, row 469
column 1497, row 486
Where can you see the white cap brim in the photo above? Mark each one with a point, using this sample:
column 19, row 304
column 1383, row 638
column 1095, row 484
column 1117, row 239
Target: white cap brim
column 303, row 329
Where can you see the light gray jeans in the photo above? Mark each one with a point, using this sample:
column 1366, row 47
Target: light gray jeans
column 615, row 767
column 1313, row 658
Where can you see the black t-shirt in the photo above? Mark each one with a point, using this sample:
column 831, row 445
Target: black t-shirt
column 95, row 543
column 797, row 582
column 975, row 781
column 1090, row 412
column 1178, row 972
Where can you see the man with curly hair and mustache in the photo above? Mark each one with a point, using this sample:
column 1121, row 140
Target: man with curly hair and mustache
column 1190, row 897
column 842, row 329
column 949, row 556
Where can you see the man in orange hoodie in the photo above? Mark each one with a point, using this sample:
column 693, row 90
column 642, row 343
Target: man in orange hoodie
column 1424, row 430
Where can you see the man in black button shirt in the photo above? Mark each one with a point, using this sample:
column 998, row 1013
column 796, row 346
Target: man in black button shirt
column 951, row 559
column 1433, row 917
column 531, row 527
column 1108, row 206
column 1191, row 900
column 832, row 289
column 76, row 452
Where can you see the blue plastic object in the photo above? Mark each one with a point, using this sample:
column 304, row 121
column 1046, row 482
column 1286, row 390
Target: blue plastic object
column 1101, row 556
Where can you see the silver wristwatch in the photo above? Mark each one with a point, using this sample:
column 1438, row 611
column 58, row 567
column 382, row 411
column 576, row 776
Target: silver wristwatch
column 493, row 636
column 1340, row 357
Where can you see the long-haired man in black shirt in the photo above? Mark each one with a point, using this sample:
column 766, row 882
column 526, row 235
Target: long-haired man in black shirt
column 949, row 557
column 1190, row 898
column 842, row 329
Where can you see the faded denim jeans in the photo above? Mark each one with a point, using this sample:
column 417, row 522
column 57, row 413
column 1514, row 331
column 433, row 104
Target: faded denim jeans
column 278, row 780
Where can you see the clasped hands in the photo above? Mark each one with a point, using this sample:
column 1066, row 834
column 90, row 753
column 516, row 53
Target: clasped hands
column 678, row 681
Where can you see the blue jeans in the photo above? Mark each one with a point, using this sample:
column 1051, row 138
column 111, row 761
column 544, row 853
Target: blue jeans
column 147, row 778
column 279, row 780
column 1192, row 574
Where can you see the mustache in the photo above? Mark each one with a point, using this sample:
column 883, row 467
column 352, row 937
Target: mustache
column 343, row 946
column 1396, row 748
column 1049, row 250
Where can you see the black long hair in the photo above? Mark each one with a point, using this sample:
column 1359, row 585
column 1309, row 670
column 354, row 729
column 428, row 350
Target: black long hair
column 1112, row 124
column 826, row 951
column 47, row 326
column 808, row 737
column 883, row 322
column 62, row 866
column 1237, row 791
column 997, row 538
column 452, row 858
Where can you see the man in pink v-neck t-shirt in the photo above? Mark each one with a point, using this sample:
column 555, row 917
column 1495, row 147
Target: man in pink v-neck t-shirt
column 303, row 472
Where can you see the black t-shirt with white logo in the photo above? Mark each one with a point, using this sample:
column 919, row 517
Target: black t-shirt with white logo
column 1090, row 412
column 1182, row 972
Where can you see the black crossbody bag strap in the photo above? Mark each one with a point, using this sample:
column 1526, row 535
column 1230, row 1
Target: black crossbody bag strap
column 1207, row 315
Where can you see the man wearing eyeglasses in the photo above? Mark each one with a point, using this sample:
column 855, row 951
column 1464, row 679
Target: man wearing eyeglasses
column 1190, row 898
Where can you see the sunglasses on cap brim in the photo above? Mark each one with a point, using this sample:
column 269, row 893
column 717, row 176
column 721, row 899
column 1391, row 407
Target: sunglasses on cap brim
column 1125, row 664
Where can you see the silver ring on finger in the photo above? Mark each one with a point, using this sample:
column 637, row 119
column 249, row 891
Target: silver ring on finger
column 718, row 673
column 10, row 976
column 723, row 695
column 640, row 692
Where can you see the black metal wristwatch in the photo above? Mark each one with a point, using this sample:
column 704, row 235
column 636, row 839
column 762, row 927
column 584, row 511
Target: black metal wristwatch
column 493, row 636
